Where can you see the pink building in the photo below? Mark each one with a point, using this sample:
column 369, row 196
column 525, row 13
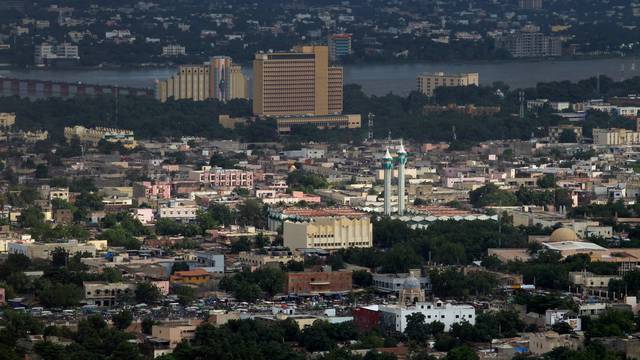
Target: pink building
column 218, row 177
column 144, row 215
column 157, row 190
column 162, row 285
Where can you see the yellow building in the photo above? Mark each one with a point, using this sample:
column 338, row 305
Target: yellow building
column 429, row 82
column 191, row 82
column 329, row 233
column 300, row 82
column 217, row 79
column 93, row 136
column 7, row 119
column 352, row 121
column 193, row 277
column 615, row 136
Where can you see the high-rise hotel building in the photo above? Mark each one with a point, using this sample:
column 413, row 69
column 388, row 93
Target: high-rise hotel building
column 297, row 83
column 217, row 79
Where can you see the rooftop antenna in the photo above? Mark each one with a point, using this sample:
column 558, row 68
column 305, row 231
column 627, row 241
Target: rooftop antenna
column 371, row 117
column 521, row 99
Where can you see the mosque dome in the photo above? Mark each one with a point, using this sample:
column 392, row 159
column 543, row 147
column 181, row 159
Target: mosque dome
column 563, row 234
column 411, row 282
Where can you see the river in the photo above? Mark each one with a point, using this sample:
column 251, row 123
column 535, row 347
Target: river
column 384, row 78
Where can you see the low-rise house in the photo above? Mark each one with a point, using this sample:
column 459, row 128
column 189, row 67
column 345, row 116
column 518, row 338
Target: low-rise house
column 193, row 277
column 544, row 342
column 102, row 293
column 309, row 283
column 174, row 333
column 43, row 250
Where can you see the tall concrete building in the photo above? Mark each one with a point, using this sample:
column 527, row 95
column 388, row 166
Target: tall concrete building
column 339, row 46
column 296, row 83
column 429, row 82
column 217, row 79
column 530, row 44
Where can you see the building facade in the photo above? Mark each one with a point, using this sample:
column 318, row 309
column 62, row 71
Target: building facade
column 329, row 233
column 44, row 250
column 300, row 82
column 429, row 82
column 615, row 136
column 286, row 124
column 315, row 283
column 102, row 293
column 555, row 132
column 446, row 313
column 47, row 54
column 218, row 79
column 530, row 44
column 218, row 177
column 339, row 46
column 7, row 119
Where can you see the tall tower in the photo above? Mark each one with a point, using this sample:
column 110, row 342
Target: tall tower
column 387, row 164
column 402, row 160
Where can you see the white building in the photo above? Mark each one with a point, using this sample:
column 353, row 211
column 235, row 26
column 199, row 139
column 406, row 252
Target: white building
column 174, row 50
column 446, row 313
column 178, row 209
column 553, row 317
column 47, row 53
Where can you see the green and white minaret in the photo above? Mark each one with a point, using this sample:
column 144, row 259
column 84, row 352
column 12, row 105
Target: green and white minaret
column 402, row 160
column 387, row 165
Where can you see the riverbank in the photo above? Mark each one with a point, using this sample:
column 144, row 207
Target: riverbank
column 377, row 79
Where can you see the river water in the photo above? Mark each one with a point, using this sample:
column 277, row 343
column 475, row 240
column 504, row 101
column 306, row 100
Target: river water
column 384, row 78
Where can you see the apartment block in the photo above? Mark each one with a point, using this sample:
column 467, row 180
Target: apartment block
column 339, row 46
column 615, row 136
column 556, row 131
column 530, row 44
column 429, row 82
column 300, row 82
column 47, row 54
column 7, row 119
column 218, row 177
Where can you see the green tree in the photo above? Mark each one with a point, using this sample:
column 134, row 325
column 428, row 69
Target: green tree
column 42, row 171
column 547, row 181
column 186, row 294
column 147, row 293
column 417, row 330
column 462, row 353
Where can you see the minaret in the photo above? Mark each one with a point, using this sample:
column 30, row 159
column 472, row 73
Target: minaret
column 402, row 160
column 387, row 164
